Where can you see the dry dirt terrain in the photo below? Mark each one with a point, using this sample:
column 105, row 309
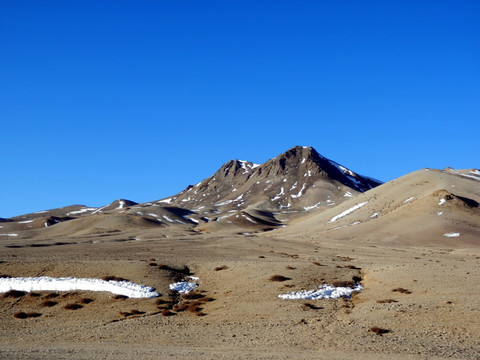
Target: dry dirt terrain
column 250, row 233
column 418, row 302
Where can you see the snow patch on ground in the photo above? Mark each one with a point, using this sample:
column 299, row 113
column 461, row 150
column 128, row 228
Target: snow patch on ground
column 409, row 199
column 348, row 211
column 348, row 194
column 25, row 221
column 46, row 283
column 168, row 201
column 442, row 201
column 451, row 234
column 11, row 235
column 183, row 287
column 325, row 291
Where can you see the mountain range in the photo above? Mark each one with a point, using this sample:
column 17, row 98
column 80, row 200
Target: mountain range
column 299, row 190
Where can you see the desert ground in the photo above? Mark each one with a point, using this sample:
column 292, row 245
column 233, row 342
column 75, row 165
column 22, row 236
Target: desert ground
column 418, row 302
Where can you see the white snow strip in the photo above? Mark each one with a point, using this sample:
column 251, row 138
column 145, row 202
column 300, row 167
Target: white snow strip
column 300, row 192
column 348, row 211
column 25, row 221
column 348, row 194
column 224, row 203
column 303, row 161
column 81, row 211
column 452, row 234
column 442, row 201
column 99, row 209
column 409, row 199
column 325, row 291
column 41, row 212
column 167, row 218
column 440, row 213
column 249, row 219
column 46, row 283
column 152, row 214
column 308, row 208
column 168, row 201
column 11, row 235
column 121, row 204
column 374, row 215
column 282, row 192
column 183, row 287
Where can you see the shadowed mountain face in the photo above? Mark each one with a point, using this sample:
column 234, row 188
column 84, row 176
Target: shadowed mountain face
column 240, row 195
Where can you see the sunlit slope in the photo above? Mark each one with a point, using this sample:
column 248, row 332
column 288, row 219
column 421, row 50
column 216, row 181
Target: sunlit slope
column 426, row 207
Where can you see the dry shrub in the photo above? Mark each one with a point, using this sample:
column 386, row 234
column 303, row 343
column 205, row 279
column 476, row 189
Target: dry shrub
column 290, row 268
column 199, row 313
column 353, row 267
column 34, row 315
column 317, row 263
column 261, row 257
column 279, row 278
column 51, row 296
column 386, row 301
column 379, row 331
column 86, row 301
column 72, row 306
column 218, row 268
column 162, row 302
column 120, row 297
column 48, row 303
column 167, row 313
column 180, row 307
column 151, row 259
column 20, row 315
column 14, row 294
column 137, row 312
column 193, row 295
column 402, row 290
column 152, row 264
column 343, row 258
column 313, row 307
column 340, row 283
column 34, row 294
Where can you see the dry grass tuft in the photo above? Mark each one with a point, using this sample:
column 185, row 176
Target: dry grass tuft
column 378, row 331
column 313, row 307
column 192, row 295
column 386, row 301
column 402, row 290
column 51, row 296
column 340, row 283
column 120, row 297
column 261, row 257
column 34, row 294
column 290, row 267
column 86, row 301
column 279, row 278
column 353, row 267
column 20, row 315
column 218, row 268
column 34, row 315
column 167, row 313
column 14, row 294
column 48, row 303
column 72, row 306
column 180, row 307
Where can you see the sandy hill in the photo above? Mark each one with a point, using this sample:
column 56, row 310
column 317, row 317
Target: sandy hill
column 424, row 207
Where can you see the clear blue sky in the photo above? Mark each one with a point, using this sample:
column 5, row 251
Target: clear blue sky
column 101, row 100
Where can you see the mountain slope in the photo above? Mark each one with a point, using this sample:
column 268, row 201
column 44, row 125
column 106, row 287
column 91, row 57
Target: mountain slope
column 424, row 207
